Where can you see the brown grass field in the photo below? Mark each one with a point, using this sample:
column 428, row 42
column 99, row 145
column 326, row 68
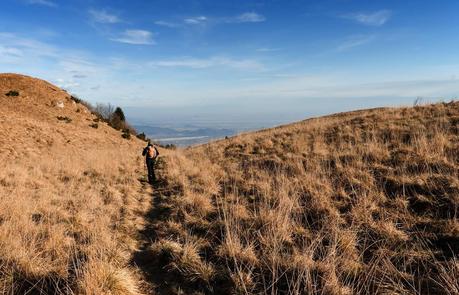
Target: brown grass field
column 364, row 202
column 357, row 203
column 71, row 202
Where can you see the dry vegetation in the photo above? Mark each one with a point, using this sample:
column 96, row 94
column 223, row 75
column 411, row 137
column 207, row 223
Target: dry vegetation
column 357, row 203
column 71, row 202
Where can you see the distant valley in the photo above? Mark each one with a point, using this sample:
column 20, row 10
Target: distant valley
column 186, row 136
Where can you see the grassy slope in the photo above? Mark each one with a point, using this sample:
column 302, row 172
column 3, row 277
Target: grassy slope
column 71, row 204
column 356, row 203
column 362, row 202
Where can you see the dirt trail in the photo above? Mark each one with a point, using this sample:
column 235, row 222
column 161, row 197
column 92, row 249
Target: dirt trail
column 155, row 277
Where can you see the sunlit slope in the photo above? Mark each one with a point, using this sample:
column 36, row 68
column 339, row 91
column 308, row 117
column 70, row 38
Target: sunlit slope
column 355, row 203
column 71, row 202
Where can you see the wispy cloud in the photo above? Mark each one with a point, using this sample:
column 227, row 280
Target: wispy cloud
column 354, row 41
column 135, row 37
column 196, row 20
column 10, row 55
column 79, row 76
column 31, row 56
column 103, row 17
column 248, row 17
column 10, row 51
column 19, row 45
column 66, row 84
column 48, row 3
column 267, row 49
column 202, row 63
column 167, row 24
column 377, row 18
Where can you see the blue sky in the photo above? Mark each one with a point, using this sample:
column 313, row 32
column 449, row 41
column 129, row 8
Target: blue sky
column 289, row 59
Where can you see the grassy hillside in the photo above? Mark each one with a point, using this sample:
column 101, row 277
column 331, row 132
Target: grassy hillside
column 71, row 202
column 356, row 203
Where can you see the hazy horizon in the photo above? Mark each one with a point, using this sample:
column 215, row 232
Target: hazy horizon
column 242, row 65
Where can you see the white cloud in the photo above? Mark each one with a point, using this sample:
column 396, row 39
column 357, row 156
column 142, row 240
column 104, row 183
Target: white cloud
column 354, row 41
column 196, row 20
column 197, row 63
column 102, row 16
column 267, row 49
column 249, row 17
column 10, row 52
column 30, row 56
column 66, row 84
column 77, row 66
column 26, row 46
column 79, row 76
column 136, row 37
column 42, row 2
column 377, row 18
column 166, row 24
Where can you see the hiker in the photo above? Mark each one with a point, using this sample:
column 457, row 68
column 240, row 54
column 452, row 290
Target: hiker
column 151, row 153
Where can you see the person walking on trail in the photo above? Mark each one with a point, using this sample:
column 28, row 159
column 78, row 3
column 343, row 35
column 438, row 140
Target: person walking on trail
column 151, row 153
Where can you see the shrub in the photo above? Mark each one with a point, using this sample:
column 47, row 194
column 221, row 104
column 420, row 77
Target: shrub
column 170, row 146
column 142, row 136
column 126, row 134
column 65, row 119
column 75, row 98
column 103, row 111
column 113, row 116
column 120, row 114
column 12, row 93
column 94, row 125
column 117, row 119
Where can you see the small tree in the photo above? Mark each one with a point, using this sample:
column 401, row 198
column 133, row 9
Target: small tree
column 120, row 114
column 117, row 119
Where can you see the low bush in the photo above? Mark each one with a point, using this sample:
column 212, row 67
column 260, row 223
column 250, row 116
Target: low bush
column 142, row 136
column 12, row 93
column 94, row 125
column 126, row 134
column 65, row 119
column 75, row 99
column 170, row 146
column 113, row 116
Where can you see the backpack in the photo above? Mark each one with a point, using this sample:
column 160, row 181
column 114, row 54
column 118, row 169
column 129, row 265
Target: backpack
column 152, row 152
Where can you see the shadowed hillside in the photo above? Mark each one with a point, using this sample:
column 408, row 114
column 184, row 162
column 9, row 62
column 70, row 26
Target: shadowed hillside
column 71, row 204
column 356, row 203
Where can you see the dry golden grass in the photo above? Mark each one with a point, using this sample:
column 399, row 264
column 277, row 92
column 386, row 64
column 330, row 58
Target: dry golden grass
column 357, row 203
column 71, row 203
